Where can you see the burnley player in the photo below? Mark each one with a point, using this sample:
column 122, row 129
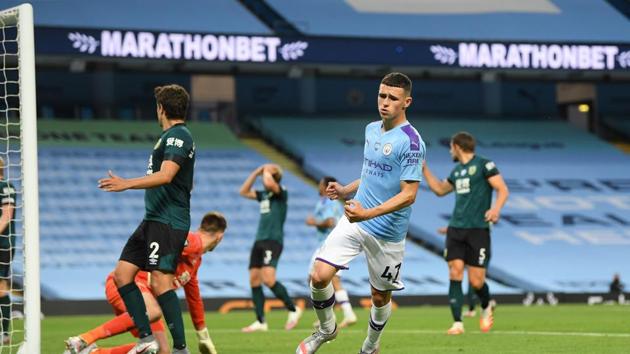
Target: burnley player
column 468, row 235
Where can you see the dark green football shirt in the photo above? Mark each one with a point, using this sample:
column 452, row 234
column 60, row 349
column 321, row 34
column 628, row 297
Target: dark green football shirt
column 273, row 213
column 170, row 203
column 473, row 193
column 7, row 196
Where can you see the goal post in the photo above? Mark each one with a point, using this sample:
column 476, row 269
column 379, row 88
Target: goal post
column 20, row 117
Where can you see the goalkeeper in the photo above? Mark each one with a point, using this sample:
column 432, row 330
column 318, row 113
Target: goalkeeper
column 205, row 239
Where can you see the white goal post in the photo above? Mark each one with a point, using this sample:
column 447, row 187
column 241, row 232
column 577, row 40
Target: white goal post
column 19, row 20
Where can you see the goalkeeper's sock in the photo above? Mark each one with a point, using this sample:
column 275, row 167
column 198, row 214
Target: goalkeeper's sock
column 134, row 302
column 169, row 303
column 122, row 349
column 119, row 324
column 456, row 299
column 258, row 297
column 484, row 295
column 281, row 293
column 5, row 309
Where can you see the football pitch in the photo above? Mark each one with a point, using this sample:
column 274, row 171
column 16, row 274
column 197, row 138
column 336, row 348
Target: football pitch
column 518, row 329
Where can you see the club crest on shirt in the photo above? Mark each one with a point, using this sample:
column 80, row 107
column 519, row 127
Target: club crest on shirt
column 157, row 145
column 387, row 149
column 472, row 170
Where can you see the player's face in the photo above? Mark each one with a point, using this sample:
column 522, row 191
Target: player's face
column 454, row 152
column 322, row 187
column 160, row 112
column 392, row 101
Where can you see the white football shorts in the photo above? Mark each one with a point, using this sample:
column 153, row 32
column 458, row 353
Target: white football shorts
column 384, row 258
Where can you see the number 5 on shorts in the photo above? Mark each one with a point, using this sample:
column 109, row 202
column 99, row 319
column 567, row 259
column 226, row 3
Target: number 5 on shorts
column 388, row 275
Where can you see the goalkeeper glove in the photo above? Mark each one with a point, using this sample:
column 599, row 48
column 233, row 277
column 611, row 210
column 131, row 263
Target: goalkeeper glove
column 205, row 343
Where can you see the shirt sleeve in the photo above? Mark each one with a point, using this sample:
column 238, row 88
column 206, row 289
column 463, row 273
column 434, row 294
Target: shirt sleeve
column 8, row 194
column 489, row 169
column 178, row 147
column 451, row 178
column 411, row 158
column 195, row 302
column 259, row 195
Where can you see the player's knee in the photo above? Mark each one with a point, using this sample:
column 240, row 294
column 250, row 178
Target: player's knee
column 319, row 279
column 121, row 279
column 477, row 282
column 455, row 272
column 381, row 298
column 269, row 281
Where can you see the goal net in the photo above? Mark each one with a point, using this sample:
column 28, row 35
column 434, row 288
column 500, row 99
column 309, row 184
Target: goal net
column 19, row 219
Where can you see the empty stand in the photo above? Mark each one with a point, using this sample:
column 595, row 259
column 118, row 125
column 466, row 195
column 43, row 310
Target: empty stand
column 540, row 20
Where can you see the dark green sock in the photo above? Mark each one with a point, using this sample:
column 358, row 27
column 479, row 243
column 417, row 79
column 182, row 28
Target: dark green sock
column 259, row 303
column 5, row 309
column 471, row 298
column 172, row 311
column 456, row 299
column 281, row 293
column 484, row 295
column 132, row 297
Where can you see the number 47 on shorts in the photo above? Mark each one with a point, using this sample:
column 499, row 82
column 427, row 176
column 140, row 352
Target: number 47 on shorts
column 388, row 275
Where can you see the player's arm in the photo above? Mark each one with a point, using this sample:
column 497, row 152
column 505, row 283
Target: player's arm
column 8, row 210
column 498, row 184
column 165, row 175
column 336, row 191
column 327, row 223
column 269, row 182
column 406, row 197
column 246, row 189
column 440, row 188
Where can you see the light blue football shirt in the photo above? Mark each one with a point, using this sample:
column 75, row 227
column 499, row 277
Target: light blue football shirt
column 326, row 209
column 388, row 158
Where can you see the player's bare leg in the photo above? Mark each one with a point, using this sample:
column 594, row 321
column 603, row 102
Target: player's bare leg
column 5, row 311
column 456, row 295
column 477, row 276
column 323, row 297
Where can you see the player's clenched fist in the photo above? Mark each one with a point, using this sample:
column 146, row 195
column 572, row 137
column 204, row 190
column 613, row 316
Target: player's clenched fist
column 355, row 212
column 334, row 190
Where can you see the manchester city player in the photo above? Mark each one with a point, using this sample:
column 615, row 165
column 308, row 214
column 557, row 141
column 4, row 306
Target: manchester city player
column 376, row 220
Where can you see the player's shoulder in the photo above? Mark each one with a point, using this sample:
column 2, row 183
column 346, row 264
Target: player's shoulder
column 482, row 160
column 409, row 136
column 373, row 125
column 180, row 131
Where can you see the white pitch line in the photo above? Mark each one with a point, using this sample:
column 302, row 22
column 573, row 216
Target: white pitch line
column 421, row 331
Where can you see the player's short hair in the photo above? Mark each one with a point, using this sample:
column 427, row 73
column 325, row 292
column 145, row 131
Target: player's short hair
column 1, row 164
column 464, row 140
column 397, row 79
column 213, row 222
column 327, row 179
column 173, row 99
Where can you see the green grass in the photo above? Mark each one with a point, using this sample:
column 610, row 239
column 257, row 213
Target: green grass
column 518, row 329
